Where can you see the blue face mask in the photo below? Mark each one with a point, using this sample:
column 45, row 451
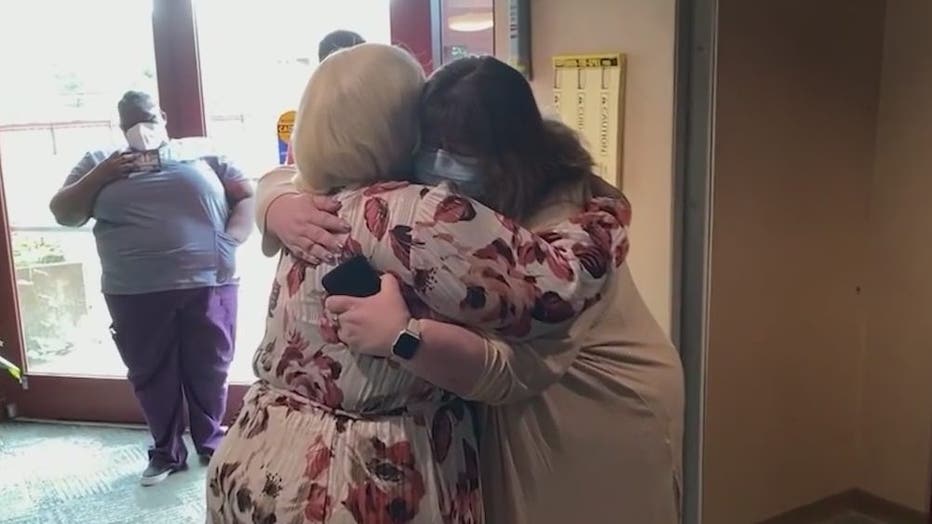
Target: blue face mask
column 434, row 167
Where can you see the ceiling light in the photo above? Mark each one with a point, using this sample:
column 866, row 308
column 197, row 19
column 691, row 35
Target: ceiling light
column 472, row 22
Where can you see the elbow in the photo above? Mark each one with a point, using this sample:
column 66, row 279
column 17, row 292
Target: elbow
column 63, row 217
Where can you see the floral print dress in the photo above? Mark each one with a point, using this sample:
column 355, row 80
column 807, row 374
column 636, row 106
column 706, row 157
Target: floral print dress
column 326, row 435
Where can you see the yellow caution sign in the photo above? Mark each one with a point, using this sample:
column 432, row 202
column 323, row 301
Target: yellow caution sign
column 589, row 95
column 285, row 128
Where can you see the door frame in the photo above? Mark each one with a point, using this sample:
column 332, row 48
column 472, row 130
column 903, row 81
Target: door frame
column 111, row 399
column 694, row 85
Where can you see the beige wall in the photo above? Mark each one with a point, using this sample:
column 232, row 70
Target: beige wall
column 796, row 116
column 644, row 29
column 897, row 380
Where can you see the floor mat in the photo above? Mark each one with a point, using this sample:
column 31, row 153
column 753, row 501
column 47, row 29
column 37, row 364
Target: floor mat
column 53, row 473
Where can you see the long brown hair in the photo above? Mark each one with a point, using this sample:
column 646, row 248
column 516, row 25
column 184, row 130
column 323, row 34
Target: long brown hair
column 481, row 107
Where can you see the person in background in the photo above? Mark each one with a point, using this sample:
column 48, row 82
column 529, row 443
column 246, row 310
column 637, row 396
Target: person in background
column 336, row 40
column 329, row 44
column 169, row 216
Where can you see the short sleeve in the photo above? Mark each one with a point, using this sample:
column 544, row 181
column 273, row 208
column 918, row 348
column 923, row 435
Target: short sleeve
column 89, row 161
column 225, row 169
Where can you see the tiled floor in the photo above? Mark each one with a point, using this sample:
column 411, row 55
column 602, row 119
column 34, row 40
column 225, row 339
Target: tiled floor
column 51, row 474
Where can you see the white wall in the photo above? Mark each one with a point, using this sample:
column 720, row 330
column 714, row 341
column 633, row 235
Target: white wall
column 896, row 417
column 644, row 30
column 798, row 84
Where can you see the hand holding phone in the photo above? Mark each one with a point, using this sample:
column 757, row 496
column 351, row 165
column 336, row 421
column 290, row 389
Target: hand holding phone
column 146, row 161
column 354, row 277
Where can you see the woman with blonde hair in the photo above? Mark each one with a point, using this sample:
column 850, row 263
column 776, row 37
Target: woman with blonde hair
column 329, row 435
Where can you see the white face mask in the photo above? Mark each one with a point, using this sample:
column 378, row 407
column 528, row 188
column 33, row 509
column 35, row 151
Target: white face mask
column 146, row 136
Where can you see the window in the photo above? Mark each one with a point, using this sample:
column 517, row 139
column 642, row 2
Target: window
column 61, row 104
column 65, row 65
column 256, row 58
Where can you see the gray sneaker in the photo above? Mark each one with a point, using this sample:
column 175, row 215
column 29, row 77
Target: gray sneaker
column 157, row 471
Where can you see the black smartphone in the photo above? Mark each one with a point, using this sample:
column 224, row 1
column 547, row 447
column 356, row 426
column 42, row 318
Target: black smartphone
column 354, row 277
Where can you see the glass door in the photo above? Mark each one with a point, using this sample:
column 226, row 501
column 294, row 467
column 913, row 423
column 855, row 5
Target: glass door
column 467, row 28
column 58, row 101
column 64, row 66
column 247, row 84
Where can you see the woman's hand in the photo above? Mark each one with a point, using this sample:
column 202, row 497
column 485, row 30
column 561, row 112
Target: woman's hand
column 371, row 325
column 116, row 166
column 307, row 225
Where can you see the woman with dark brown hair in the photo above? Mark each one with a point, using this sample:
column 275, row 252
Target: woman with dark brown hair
column 577, row 425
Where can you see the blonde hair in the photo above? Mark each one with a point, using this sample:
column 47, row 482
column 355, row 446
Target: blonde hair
column 357, row 121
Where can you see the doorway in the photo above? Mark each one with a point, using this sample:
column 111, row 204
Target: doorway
column 61, row 102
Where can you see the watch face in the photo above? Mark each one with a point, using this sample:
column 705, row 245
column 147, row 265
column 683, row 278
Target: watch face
column 406, row 345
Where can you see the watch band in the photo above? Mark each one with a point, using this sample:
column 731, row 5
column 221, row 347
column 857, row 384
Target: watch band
column 414, row 327
column 408, row 340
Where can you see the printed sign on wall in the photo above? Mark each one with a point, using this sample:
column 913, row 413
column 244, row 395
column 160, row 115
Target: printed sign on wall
column 285, row 127
column 589, row 95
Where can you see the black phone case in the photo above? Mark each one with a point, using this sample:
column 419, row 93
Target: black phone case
column 354, row 277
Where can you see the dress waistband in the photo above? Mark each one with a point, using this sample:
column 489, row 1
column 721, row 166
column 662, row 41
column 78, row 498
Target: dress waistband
column 264, row 395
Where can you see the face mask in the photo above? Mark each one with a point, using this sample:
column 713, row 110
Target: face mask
column 146, row 136
column 434, row 167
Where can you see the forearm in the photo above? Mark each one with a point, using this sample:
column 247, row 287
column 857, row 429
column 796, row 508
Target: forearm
column 491, row 371
column 239, row 225
column 73, row 205
column 450, row 357
column 271, row 187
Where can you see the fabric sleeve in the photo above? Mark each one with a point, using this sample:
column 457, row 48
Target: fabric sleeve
column 275, row 183
column 226, row 170
column 89, row 161
column 477, row 268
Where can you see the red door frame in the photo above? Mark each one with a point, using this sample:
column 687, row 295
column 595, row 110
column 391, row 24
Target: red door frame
column 178, row 72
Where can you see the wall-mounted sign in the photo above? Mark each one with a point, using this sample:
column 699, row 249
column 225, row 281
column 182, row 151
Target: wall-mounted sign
column 519, row 35
column 589, row 95
column 285, row 127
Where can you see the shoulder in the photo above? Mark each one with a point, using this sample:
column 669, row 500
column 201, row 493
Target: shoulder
column 90, row 160
column 391, row 191
column 195, row 145
column 97, row 156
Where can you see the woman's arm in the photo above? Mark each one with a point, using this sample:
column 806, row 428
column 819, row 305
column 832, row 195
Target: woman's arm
column 485, row 369
column 450, row 357
column 73, row 204
column 239, row 193
column 470, row 264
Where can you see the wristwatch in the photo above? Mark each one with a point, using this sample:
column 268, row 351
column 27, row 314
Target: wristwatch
column 408, row 341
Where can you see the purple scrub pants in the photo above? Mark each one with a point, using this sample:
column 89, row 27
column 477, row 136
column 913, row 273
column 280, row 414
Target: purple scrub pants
column 178, row 345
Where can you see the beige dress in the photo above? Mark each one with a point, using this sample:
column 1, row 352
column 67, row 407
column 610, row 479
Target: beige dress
column 587, row 427
column 581, row 426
